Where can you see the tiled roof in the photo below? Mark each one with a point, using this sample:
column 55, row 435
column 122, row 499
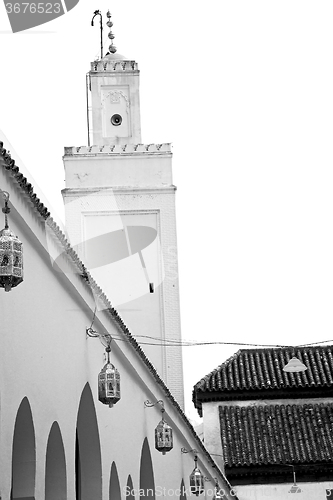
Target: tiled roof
column 262, row 370
column 8, row 164
column 277, row 434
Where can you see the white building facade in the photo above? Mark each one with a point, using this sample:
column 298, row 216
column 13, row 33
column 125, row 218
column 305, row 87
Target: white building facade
column 271, row 431
column 58, row 441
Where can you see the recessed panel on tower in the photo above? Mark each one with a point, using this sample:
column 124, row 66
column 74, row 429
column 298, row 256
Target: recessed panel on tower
column 115, row 111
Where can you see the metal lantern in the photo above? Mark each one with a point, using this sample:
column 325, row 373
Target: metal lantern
column 163, row 436
column 196, row 480
column 11, row 256
column 163, row 432
column 109, row 383
column 218, row 494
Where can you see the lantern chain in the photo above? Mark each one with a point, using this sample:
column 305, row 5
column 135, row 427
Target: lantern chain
column 108, row 350
column 94, row 334
column 6, row 209
column 163, row 431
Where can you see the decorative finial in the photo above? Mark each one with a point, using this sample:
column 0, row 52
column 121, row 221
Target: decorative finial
column 98, row 13
column 109, row 24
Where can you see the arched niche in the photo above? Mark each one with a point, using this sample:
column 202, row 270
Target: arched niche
column 147, row 483
column 55, row 467
column 88, row 466
column 114, row 488
column 130, row 489
column 24, row 454
column 182, row 495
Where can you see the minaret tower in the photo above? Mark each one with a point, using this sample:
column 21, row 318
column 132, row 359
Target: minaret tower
column 120, row 215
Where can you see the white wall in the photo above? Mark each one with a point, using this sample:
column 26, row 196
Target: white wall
column 46, row 357
column 120, row 189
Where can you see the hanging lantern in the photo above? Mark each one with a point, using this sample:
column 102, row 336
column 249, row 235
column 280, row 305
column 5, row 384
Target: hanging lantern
column 218, row 494
column 163, row 432
column 11, row 256
column 196, row 480
column 294, row 365
column 163, row 436
column 109, row 383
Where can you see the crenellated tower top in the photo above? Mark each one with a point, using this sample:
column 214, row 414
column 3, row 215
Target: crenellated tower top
column 115, row 99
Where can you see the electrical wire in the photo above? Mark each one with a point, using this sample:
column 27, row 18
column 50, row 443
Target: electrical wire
column 190, row 343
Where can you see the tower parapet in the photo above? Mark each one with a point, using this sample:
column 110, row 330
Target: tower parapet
column 113, row 65
column 119, row 149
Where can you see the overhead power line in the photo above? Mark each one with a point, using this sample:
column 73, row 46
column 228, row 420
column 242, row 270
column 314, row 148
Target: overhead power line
column 156, row 341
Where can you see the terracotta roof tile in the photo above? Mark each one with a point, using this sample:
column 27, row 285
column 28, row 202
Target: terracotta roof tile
column 262, row 370
column 277, row 434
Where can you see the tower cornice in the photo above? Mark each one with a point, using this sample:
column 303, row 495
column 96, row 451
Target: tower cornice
column 113, row 66
column 119, row 149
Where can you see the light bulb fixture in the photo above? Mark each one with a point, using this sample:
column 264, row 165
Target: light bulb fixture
column 109, row 382
column 295, row 488
column 294, row 365
column 11, row 255
column 163, row 431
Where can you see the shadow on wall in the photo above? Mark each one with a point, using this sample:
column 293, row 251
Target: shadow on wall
column 88, row 466
column 147, row 483
column 24, row 454
column 55, row 468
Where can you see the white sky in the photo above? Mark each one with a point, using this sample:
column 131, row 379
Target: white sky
column 243, row 90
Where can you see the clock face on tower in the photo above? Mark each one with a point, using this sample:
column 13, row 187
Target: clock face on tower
column 115, row 112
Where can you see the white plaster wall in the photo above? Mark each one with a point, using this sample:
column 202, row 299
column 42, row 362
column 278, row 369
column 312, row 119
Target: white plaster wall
column 137, row 170
column 212, row 431
column 117, row 81
column 47, row 357
column 158, row 316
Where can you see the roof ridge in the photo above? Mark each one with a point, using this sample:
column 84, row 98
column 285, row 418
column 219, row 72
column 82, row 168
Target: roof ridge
column 262, row 370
